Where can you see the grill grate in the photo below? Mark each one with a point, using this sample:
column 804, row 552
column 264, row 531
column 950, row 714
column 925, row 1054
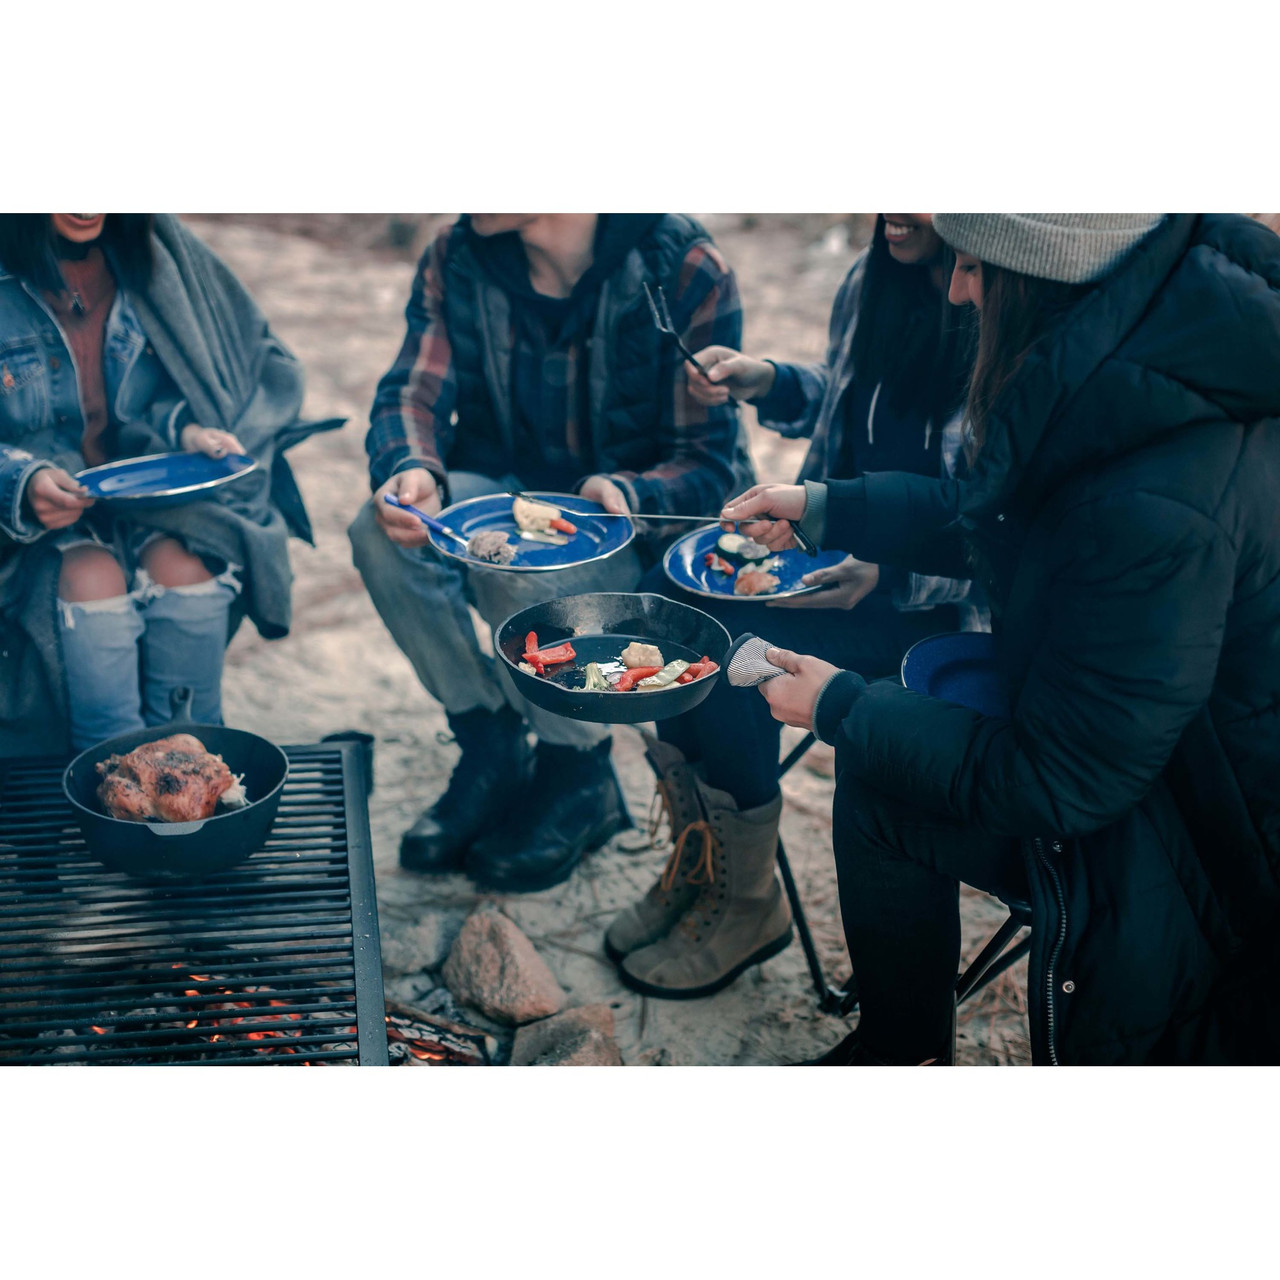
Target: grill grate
column 274, row 961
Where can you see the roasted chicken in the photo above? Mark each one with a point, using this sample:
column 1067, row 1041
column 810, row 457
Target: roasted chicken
column 170, row 780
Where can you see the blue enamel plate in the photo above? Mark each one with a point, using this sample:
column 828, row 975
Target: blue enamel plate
column 686, row 565
column 164, row 479
column 959, row 667
column 596, row 538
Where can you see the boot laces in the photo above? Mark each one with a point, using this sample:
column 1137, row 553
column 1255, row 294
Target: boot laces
column 703, row 869
column 707, row 904
column 661, row 807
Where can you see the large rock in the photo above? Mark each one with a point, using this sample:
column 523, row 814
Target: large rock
column 415, row 947
column 494, row 968
column 575, row 1038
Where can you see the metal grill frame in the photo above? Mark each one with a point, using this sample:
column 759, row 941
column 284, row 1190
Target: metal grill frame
column 44, row 867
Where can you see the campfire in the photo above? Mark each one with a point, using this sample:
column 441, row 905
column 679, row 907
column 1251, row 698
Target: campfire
column 415, row 1038
column 217, row 1012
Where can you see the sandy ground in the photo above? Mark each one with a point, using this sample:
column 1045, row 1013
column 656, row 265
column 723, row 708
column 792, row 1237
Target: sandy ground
column 338, row 300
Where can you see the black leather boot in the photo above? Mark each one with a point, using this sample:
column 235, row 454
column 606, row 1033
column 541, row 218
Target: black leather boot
column 572, row 806
column 494, row 766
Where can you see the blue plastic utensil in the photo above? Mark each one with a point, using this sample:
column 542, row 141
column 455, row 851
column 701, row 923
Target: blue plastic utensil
column 430, row 521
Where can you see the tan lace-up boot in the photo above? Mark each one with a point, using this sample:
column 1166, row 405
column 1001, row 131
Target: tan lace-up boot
column 740, row 916
column 676, row 800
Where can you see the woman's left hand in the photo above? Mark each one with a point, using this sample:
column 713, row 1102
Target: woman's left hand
column 793, row 697
column 217, row 444
column 848, row 583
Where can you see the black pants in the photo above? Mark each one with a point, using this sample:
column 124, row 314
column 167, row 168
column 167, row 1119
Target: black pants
column 732, row 731
column 900, row 869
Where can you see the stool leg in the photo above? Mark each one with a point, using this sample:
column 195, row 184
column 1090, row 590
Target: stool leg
column 968, row 982
column 801, row 923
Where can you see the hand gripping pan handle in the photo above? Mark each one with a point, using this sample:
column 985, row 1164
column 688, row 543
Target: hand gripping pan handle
column 745, row 664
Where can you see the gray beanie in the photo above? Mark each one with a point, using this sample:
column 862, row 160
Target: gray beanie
column 1071, row 247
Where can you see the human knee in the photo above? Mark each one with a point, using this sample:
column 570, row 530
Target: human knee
column 90, row 573
column 863, row 820
column 367, row 537
column 169, row 564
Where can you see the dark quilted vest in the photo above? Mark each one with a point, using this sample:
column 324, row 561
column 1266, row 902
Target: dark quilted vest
column 624, row 351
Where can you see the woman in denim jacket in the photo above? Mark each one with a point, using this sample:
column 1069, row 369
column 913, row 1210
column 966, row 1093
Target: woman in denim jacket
column 121, row 335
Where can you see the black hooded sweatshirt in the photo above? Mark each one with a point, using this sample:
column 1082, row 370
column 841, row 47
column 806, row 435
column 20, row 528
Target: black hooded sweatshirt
column 1125, row 515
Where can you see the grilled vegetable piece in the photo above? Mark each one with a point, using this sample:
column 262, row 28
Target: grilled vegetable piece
column 540, row 659
column 753, row 550
column 595, row 679
column 666, row 677
column 634, row 674
column 637, row 654
column 561, row 525
column 536, row 535
column 730, row 543
column 717, row 563
column 697, row 670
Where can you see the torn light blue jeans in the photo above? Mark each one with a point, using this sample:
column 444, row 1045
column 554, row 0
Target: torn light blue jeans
column 124, row 656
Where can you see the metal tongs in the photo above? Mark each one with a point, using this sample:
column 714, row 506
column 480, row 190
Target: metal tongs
column 662, row 322
column 806, row 543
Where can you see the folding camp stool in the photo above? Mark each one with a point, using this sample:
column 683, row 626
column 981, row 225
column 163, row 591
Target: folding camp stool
column 994, row 958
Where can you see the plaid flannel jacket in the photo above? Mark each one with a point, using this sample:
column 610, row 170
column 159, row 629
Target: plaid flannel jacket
column 413, row 420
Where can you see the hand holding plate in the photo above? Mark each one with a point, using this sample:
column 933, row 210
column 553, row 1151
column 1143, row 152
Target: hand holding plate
column 209, row 441
column 57, row 499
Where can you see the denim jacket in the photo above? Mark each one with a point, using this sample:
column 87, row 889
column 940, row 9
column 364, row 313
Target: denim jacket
column 41, row 420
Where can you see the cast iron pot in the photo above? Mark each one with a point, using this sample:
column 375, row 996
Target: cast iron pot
column 600, row 625
column 180, row 848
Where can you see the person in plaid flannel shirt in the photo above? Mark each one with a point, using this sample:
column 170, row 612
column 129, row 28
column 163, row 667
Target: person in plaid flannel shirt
column 531, row 362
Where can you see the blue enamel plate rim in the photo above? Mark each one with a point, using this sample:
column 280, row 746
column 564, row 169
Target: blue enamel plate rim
column 673, row 550
column 122, row 463
column 934, row 652
column 449, row 516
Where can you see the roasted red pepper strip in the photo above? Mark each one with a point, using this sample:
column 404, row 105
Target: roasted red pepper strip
column 531, row 643
column 698, row 669
column 563, row 526
column 631, row 676
column 550, row 657
column 713, row 561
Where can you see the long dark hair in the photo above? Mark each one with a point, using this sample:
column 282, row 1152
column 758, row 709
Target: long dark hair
column 1017, row 311
column 29, row 248
column 921, row 366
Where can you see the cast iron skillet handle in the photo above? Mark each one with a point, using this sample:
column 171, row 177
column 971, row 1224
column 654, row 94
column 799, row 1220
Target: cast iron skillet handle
column 175, row 828
column 180, row 707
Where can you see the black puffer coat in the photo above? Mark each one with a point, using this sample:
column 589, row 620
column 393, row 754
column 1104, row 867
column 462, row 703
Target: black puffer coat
column 1125, row 511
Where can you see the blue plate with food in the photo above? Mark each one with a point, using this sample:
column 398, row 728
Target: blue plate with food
column 164, row 479
column 531, row 534
column 959, row 667
column 727, row 566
